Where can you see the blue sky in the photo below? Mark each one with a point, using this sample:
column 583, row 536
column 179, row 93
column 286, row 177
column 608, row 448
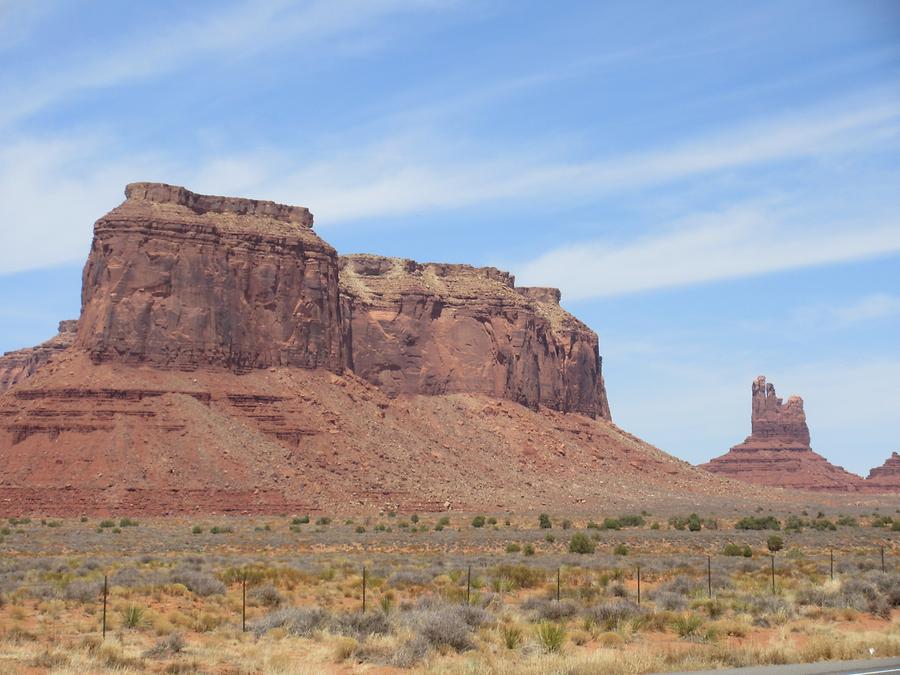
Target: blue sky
column 714, row 186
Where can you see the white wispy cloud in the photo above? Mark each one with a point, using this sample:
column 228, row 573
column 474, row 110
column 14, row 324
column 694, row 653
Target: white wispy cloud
column 231, row 32
column 743, row 241
column 872, row 307
column 414, row 172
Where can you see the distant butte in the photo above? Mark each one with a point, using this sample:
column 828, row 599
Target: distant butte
column 885, row 478
column 777, row 452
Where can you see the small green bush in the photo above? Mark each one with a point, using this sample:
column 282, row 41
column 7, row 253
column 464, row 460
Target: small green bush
column 775, row 543
column 758, row 523
column 196, row 530
column 620, row 549
column 300, row 520
column 107, row 523
column 478, row 521
column 513, row 548
column 544, row 521
column 580, row 543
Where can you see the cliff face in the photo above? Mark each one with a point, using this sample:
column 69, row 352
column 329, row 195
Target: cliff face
column 438, row 329
column 22, row 363
column 885, row 478
column 777, row 451
column 185, row 281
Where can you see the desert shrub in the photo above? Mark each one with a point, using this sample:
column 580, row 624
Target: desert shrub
column 765, row 607
column 361, row 626
column 450, row 626
column 528, row 549
column 631, row 521
column 107, row 523
column 83, row 591
column 168, row 646
column 682, row 585
column 127, row 522
column 546, row 609
column 551, row 636
column 220, row 529
column 580, row 543
column 544, row 521
column 360, row 529
column 513, row 548
column 610, row 615
column 267, row 596
column 847, row 521
column 687, row 625
column 402, row 578
column 758, row 523
column 511, row 636
column 733, row 550
column 299, row 621
column 478, row 521
column 322, row 521
column 300, row 520
column 669, row 601
column 133, row 616
column 566, row 524
column 520, row 576
column 611, row 524
column 775, row 543
column 678, row 522
column 199, row 583
column 620, row 549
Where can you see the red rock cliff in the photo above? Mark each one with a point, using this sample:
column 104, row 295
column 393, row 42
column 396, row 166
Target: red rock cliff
column 431, row 328
column 184, row 281
column 181, row 280
column 777, row 451
column 22, row 363
column 885, row 478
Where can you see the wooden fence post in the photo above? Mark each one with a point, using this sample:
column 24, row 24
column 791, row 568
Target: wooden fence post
column 773, row 573
column 105, row 590
column 469, row 585
column 639, row 583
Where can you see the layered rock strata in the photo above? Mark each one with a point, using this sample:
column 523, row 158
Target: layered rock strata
column 777, row 452
column 180, row 280
column 430, row 328
column 885, row 478
column 22, row 363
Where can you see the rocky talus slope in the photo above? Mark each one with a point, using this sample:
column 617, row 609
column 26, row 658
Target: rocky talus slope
column 227, row 360
column 777, row 452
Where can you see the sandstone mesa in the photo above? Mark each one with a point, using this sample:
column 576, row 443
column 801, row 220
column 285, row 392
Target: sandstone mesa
column 228, row 360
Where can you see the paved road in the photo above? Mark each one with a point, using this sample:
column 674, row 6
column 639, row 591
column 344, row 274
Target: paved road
column 862, row 667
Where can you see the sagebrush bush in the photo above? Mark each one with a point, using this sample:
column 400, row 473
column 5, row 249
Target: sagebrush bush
column 299, row 621
column 199, row 583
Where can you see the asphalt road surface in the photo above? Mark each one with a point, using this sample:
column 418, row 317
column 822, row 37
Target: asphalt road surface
column 862, row 667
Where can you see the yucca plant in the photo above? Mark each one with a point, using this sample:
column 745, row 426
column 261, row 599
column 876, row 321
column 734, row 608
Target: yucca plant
column 132, row 616
column 687, row 625
column 551, row 636
column 512, row 636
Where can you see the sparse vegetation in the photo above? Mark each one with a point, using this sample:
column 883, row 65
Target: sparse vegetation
column 175, row 595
